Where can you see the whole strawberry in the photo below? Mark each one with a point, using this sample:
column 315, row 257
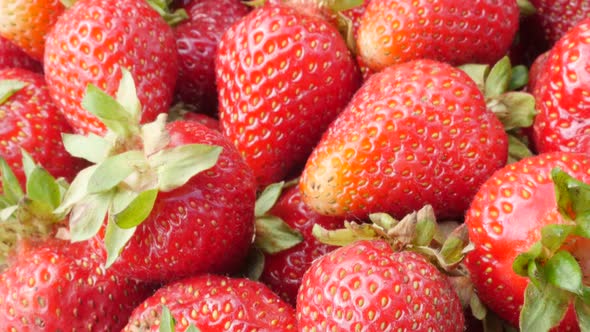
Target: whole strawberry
column 366, row 286
column 11, row 56
column 215, row 303
column 197, row 40
column 31, row 121
column 416, row 133
column 457, row 32
column 560, row 93
column 282, row 76
column 557, row 17
column 93, row 40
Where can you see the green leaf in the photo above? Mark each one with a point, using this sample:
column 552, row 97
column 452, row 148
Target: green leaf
column 341, row 237
column 93, row 148
column 192, row 328
column 254, row 263
column 88, row 216
column 43, row 187
column 77, row 190
column 28, row 163
column 520, row 109
column 477, row 72
column 543, row 308
column 478, row 309
column 526, row 7
column 108, row 110
column 583, row 314
column 517, row 149
column 563, row 271
column 155, row 136
column 8, row 212
column 172, row 18
column 10, row 185
column 114, row 170
column 8, row 88
column 177, row 165
column 268, row 198
column 67, row 3
column 342, row 5
column 498, row 80
column 127, row 96
column 167, row 323
column 523, row 260
column 426, row 226
column 115, row 240
column 554, row 235
column 572, row 196
column 520, row 78
column 273, row 235
column 452, row 249
column 138, row 210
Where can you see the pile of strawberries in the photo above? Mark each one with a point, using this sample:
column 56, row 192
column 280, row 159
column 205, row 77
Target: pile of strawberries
column 294, row 165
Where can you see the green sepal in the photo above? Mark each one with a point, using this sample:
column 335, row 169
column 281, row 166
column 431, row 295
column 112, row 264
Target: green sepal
column 28, row 163
column 273, row 235
column 522, row 261
column 341, row 237
column 77, row 191
column 582, row 310
column 515, row 109
column 110, row 112
column 138, row 209
column 177, row 165
column 43, row 188
column 526, row 7
column 127, row 96
column 478, row 309
column 426, row 226
column 93, row 148
column 167, row 323
column 453, row 249
column 554, row 235
column 572, row 195
column 8, row 88
column 519, row 79
column 498, row 80
column 8, row 212
column 268, row 198
column 254, row 263
column 88, row 216
column 477, row 72
column 517, row 149
column 113, row 170
column 172, row 18
column 563, row 271
column 192, row 328
column 10, row 186
column 67, row 3
column 155, row 136
column 346, row 28
column 342, row 5
column 383, row 220
column 543, row 307
column 115, row 239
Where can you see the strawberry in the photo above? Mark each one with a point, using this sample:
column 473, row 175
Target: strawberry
column 416, row 133
column 215, row 303
column 282, row 76
column 366, row 286
column 26, row 23
column 92, row 40
column 557, row 17
column 197, row 39
column 12, row 56
column 560, row 94
column 537, row 69
column 394, row 31
column 31, row 121
column 505, row 219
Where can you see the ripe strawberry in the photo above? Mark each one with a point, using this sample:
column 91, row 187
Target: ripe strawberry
column 26, row 23
column 366, row 286
column 416, row 133
column 215, row 303
column 560, row 94
column 394, row 31
column 505, row 219
column 92, row 40
column 11, row 56
column 282, row 76
column 31, row 121
column 537, row 69
column 557, row 17
column 197, row 40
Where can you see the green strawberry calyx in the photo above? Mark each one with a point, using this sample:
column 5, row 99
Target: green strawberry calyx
column 168, row 323
column 557, row 264
column 173, row 18
column 8, row 88
column 132, row 164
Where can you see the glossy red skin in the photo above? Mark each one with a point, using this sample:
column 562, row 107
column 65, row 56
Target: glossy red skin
column 457, row 32
column 275, row 119
column 366, row 286
column 537, row 68
column 29, row 120
column 93, row 40
column 206, row 225
column 406, row 139
column 283, row 271
column 58, row 286
column 562, row 122
column 557, row 17
column 11, row 56
column 197, row 39
column 506, row 218
column 240, row 305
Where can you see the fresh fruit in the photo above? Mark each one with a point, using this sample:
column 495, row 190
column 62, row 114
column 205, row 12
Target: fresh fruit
column 93, row 40
column 505, row 219
column 215, row 303
column 557, row 17
column 282, row 76
column 11, row 56
column 395, row 31
column 416, row 133
column 367, row 286
column 30, row 121
column 561, row 123
column 26, row 23
column 197, row 39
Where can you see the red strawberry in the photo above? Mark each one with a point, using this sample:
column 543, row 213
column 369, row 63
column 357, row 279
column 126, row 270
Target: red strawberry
column 282, row 77
column 31, row 121
column 394, row 31
column 283, row 270
column 561, row 95
column 11, row 56
column 26, row 23
column 197, row 40
column 537, row 69
column 93, row 40
column 416, row 133
column 505, row 219
column 215, row 303
column 557, row 17
column 366, row 286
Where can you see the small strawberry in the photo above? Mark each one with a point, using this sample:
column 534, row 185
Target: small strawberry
column 416, row 133
column 30, row 121
column 283, row 76
column 214, row 303
column 457, row 32
column 11, row 56
column 561, row 95
column 26, row 23
column 557, row 17
column 93, row 40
